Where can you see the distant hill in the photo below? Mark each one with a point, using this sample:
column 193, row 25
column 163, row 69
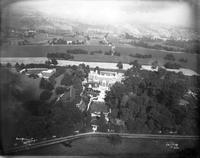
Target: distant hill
column 29, row 17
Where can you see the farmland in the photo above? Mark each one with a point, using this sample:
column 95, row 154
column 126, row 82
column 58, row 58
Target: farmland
column 41, row 51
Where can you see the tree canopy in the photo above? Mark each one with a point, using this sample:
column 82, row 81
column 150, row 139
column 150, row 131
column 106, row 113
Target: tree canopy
column 148, row 102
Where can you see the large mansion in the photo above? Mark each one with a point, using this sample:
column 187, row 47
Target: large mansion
column 105, row 78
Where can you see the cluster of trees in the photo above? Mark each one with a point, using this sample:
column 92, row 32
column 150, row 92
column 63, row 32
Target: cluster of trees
column 77, row 51
column 170, row 57
column 19, row 67
column 148, row 102
column 137, row 55
column 74, row 76
column 47, row 87
column 57, row 55
column 170, row 65
column 80, row 72
column 33, row 65
column 51, row 63
column 36, row 118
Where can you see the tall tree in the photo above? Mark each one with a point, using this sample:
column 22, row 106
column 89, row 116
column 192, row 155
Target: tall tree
column 120, row 65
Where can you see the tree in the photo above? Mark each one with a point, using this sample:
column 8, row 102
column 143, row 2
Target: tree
column 67, row 80
column 148, row 101
column 135, row 64
column 17, row 66
column 45, row 95
column 60, row 90
column 22, row 66
column 170, row 65
column 44, row 84
column 54, row 61
column 170, row 57
column 48, row 62
column 8, row 65
column 97, row 69
column 120, row 65
column 101, row 122
column 154, row 64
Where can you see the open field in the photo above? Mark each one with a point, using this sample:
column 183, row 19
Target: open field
column 41, row 51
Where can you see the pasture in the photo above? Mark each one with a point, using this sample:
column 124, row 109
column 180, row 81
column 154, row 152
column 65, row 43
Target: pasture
column 41, row 51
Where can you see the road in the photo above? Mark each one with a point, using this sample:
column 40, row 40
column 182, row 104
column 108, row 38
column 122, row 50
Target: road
column 101, row 134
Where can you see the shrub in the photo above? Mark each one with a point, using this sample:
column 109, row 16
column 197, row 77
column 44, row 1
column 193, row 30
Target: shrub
column 172, row 65
column 170, row 57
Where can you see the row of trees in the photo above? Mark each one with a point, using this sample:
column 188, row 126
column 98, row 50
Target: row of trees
column 57, row 55
column 137, row 55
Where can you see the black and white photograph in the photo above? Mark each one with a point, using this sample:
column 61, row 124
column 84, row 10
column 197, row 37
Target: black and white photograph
column 100, row 78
